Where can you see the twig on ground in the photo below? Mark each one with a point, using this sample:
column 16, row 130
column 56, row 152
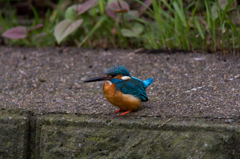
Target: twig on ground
column 166, row 121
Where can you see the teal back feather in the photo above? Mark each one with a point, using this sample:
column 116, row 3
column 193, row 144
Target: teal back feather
column 131, row 86
column 121, row 70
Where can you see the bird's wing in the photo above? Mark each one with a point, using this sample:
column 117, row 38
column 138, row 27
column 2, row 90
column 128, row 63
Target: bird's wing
column 135, row 88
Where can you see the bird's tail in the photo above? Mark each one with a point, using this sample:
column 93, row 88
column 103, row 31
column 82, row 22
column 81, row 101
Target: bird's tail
column 147, row 82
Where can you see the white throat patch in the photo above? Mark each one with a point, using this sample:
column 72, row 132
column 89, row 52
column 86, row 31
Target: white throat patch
column 125, row 78
column 109, row 82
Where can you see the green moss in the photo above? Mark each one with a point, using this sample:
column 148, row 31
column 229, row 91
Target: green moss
column 14, row 134
column 70, row 136
column 132, row 139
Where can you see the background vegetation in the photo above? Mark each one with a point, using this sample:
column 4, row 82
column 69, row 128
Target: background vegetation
column 209, row 25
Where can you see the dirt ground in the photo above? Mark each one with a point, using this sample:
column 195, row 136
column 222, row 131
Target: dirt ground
column 46, row 80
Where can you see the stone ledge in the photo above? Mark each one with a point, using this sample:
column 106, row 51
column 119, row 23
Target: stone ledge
column 71, row 136
column 196, row 88
column 14, row 134
column 24, row 135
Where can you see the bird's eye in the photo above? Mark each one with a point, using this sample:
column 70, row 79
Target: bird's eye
column 109, row 76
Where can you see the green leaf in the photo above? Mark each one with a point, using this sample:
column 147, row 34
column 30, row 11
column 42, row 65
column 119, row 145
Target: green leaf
column 86, row 6
column 71, row 14
column 132, row 14
column 135, row 31
column 66, row 27
column 115, row 7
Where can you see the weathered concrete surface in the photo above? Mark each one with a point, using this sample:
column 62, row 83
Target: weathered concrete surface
column 14, row 134
column 51, row 80
column 67, row 118
column 72, row 136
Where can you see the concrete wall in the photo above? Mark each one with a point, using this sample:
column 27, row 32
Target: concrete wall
column 25, row 135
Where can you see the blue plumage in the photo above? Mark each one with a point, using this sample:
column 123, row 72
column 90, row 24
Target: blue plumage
column 115, row 80
column 121, row 70
column 146, row 83
column 117, row 70
column 123, row 90
column 133, row 86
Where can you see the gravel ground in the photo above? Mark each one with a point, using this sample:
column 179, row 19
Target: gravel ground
column 46, row 80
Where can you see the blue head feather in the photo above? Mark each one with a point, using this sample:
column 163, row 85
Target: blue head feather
column 117, row 70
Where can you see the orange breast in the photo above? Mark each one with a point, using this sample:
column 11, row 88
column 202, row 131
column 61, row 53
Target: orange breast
column 118, row 99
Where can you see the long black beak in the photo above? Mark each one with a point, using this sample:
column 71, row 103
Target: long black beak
column 100, row 78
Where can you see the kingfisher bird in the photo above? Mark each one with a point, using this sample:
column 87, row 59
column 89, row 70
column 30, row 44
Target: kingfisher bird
column 123, row 90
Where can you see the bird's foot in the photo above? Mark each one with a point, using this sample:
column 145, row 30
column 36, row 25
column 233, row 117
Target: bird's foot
column 119, row 110
column 129, row 111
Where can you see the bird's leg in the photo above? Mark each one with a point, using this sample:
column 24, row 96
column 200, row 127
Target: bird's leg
column 119, row 110
column 129, row 111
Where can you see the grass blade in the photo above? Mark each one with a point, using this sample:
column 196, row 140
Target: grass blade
column 199, row 28
column 93, row 29
column 180, row 13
